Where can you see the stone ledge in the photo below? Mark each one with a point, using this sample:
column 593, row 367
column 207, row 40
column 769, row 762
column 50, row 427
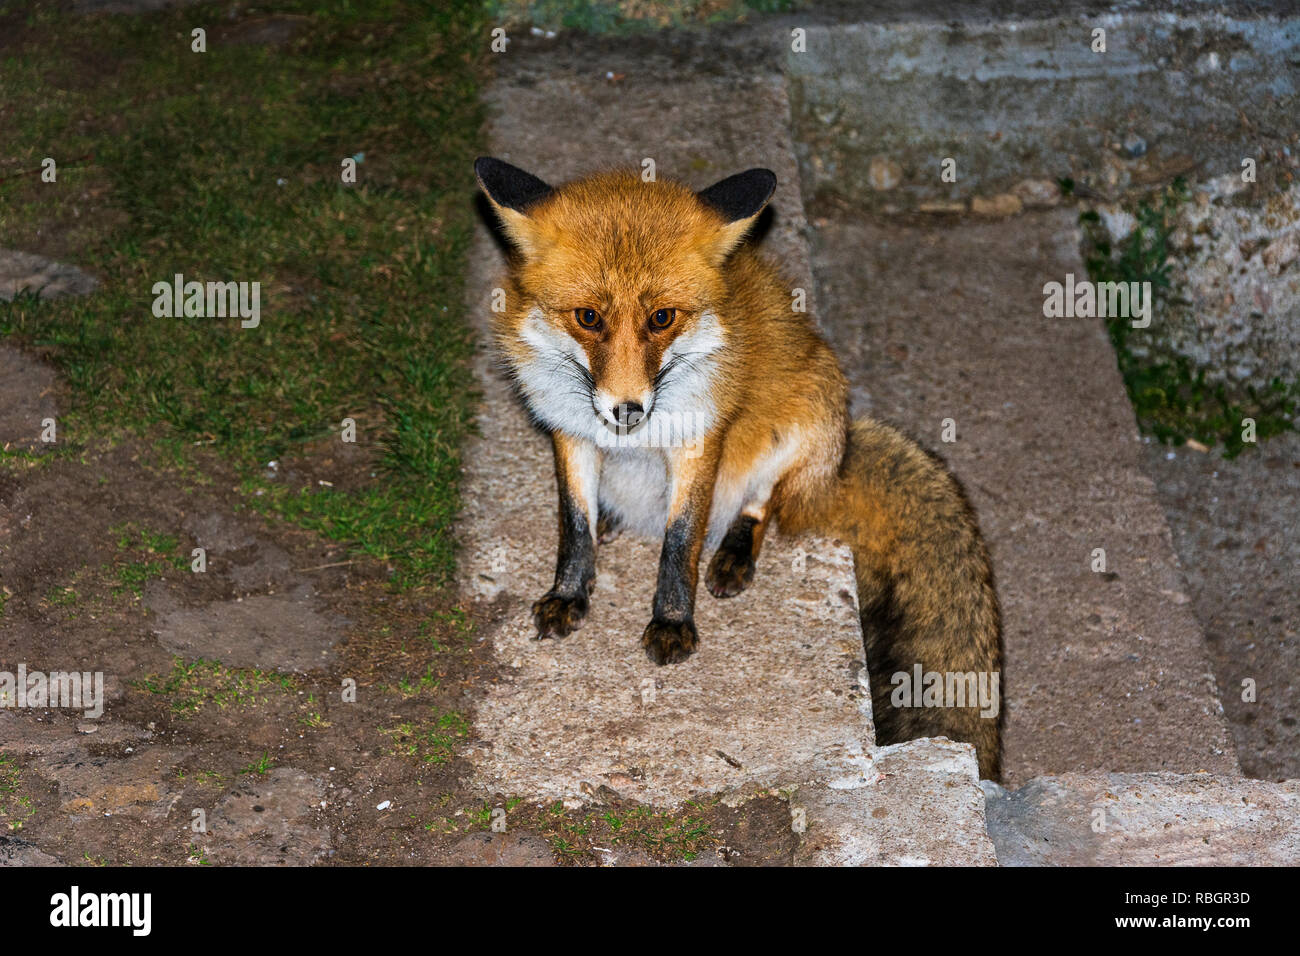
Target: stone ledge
column 1145, row 819
column 917, row 803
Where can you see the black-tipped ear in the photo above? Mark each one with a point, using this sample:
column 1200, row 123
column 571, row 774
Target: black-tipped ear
column 741, row 196
column 509, row 186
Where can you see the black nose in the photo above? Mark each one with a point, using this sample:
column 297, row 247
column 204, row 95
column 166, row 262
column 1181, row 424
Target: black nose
column 629, row 413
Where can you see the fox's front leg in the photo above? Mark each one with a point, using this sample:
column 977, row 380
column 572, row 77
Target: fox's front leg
column 577, row 469
column 671, row 636
column 732, row 567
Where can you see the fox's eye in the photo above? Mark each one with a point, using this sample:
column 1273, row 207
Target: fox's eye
column 663, row 318
column 587, row 318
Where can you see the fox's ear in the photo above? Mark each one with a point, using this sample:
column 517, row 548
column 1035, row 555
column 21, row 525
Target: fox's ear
column 512, row 193
column 739, row 199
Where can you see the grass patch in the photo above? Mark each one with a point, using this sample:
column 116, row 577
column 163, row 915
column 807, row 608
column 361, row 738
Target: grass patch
column 15, row 807
column 59, row 596
column 433, row 741
column 197, row 856
column 261, row 766
column 665, row 835
column 225, row 166
column 201, row 778
column 197, row 685
column 1171, row 396
column 18, row 460
column 143, row 555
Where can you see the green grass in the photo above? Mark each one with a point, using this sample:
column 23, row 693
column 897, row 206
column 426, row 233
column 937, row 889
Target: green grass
column 261, row 766
column 153, row 553
column 15, row 806
column 224, row 166
column 1171, row 396
column 196, row 685
column 433, row 741
column 666, row 835
column 658, row 832
column 59, row 596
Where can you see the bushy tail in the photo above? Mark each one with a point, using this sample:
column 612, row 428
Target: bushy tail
column 925, row 590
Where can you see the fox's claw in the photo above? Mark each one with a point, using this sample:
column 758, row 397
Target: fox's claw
column 669, row 642
column 557, row 615
column 729, row 573
column 607, row 529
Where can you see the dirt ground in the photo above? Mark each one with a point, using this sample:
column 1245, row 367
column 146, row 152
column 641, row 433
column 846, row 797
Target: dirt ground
column 1234, row 526
column 224, row 689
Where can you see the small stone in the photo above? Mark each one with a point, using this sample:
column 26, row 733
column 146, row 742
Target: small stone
column 1134, row 145
column 1003, row 204
column 87, row 728
column 622, row 856
column 942, row 207
column 1119, row 222
column 1281, row 252
column 884, row 173
column 1037, row 192
column 21, row 271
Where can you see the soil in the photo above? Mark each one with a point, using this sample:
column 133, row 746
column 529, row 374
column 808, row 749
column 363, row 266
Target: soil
column 1234, row 527
column 252, row 736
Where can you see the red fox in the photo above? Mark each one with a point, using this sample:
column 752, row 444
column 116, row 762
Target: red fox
column 686, row 399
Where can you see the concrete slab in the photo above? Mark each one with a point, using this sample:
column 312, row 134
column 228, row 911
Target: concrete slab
column 917, row 803
column 774, row 690
column 1146, row 819
column 1104, row 670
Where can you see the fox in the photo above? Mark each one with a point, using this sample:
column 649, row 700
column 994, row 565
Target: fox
column 687, row 400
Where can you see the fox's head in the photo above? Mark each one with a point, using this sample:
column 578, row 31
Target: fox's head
column 619, row 279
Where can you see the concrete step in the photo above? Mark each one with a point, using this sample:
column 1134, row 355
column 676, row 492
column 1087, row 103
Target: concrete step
column 1146, row 819
column 912, row 806
column 1017, row 91
column 1104, row 670
column 775, row 698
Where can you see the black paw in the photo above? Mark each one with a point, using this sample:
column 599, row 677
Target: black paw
column 557, row 615
column 729, row 573
column 669, row 642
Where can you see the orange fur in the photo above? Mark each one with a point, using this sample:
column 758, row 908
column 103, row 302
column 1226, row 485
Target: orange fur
column 773, row 441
